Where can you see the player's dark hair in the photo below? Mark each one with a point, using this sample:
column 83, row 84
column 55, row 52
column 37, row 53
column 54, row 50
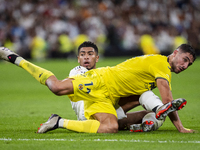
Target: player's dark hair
column 88, row 44
column 187, row 48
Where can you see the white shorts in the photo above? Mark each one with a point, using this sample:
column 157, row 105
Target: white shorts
column 78, row 108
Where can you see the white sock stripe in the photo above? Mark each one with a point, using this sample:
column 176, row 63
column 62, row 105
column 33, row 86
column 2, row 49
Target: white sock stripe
column 18, row 60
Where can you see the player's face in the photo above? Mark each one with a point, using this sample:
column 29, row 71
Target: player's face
column 88, row 58
column 181, row 61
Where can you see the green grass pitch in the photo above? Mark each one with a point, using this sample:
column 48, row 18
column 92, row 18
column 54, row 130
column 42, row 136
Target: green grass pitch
column 25, row 103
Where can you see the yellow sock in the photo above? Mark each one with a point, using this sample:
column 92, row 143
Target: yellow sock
column 38, row 73
column 88, row 126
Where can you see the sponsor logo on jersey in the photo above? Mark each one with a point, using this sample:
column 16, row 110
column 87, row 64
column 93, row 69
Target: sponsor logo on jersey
column 40, row 75
column 150, row 86
column 80, row 86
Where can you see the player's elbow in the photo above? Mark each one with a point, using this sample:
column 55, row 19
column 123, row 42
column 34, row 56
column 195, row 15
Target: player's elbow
column 59, row 88
column 52, row 84
column 55, row 89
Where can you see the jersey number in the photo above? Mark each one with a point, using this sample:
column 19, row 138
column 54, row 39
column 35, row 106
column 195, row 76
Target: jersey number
column 88, row 89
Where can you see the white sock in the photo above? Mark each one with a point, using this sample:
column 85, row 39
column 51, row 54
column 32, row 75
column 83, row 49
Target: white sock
column 18, row 60
column 149, row 101
column 60, row 123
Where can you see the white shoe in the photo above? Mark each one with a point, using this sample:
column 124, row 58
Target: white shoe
column 174, row 105
column 5, row 53
column 143, row 127
column 51, row 124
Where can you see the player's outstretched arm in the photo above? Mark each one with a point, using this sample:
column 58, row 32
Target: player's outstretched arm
column 166, row 95
column 177, row 123
column 60, row 87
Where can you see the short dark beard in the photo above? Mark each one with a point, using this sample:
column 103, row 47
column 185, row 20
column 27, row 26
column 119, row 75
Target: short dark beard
column 172, row 67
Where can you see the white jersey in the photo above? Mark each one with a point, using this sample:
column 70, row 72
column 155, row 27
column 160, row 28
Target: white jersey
column 77, row 70
column 78, row 107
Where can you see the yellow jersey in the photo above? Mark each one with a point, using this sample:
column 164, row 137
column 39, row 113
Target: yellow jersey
column 135, row 75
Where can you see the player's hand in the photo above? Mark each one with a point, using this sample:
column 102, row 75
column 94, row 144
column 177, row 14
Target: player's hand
column 185, row 130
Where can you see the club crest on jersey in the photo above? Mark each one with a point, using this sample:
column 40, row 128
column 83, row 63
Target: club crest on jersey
column 80, row 86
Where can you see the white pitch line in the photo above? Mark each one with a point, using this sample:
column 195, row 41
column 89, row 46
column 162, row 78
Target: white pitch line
column 104, row 140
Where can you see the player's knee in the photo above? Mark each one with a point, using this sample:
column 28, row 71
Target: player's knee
column 108, row 122
column 114, row 128
column 111, row 128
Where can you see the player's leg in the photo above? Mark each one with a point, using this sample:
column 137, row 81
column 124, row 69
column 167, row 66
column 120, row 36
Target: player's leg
column 104, row 123
column 108, row 122
column 149, row 123
column 55, row 121
column 169, row 107
column 128, row 103
column 78, row 108
column 136, row 119
column 151, row 102
column 38, row 73
column 151, row 117
column 131, row 118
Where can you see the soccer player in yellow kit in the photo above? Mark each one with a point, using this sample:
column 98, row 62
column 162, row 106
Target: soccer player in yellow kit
column 134, row 77
column 134, row 121
column 102, row 87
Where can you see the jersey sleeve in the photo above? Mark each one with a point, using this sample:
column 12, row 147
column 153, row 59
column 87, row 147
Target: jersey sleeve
column 161, row 70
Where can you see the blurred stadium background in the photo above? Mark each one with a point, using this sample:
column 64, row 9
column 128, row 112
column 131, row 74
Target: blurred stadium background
column 40, row 29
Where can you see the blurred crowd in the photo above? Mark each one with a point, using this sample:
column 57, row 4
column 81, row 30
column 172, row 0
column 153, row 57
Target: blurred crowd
column 40, row 29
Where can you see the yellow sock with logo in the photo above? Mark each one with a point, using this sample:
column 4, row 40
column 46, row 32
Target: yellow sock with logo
column 87, row 126
column 37, row 72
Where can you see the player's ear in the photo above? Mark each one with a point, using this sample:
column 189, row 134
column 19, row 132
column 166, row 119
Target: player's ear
column 175, row 52
column 78, row 59
column 97, row 58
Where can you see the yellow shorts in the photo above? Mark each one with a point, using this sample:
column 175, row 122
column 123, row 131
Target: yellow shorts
column 91, row 88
